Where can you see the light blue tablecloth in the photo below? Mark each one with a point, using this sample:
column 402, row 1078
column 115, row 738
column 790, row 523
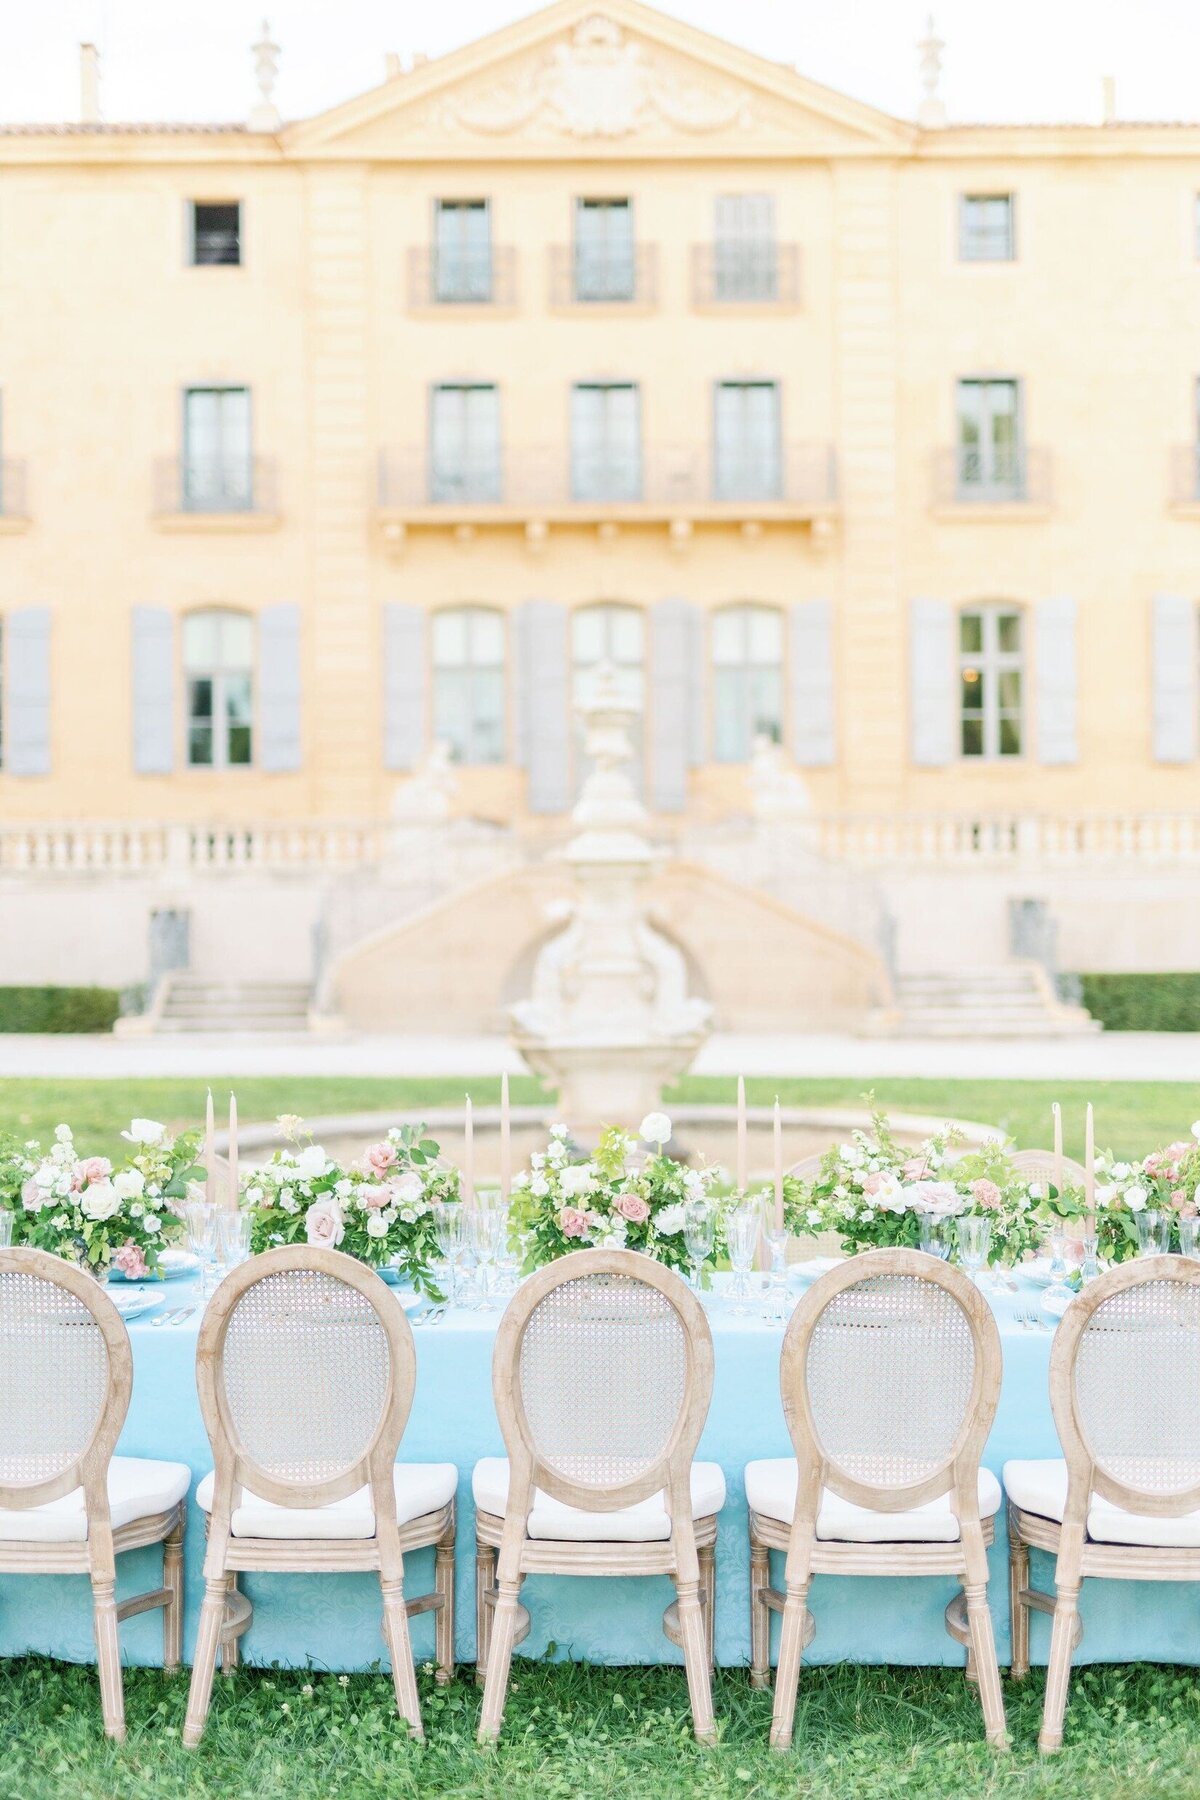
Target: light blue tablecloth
column 332, row 1621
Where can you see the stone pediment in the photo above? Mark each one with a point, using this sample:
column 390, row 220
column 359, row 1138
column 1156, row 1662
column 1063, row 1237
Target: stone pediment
column 596, row 79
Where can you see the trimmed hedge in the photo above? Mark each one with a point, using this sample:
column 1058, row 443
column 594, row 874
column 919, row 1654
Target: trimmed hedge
column 1157, row 1002
column 58, row 1008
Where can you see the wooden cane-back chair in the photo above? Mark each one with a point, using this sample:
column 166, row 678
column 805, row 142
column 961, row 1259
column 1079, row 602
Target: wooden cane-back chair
column 1038, row 1165
column 890, row 1375
column 1124, row 1502
column 602, row 1376
column 67, row 1505
column 305, row 1368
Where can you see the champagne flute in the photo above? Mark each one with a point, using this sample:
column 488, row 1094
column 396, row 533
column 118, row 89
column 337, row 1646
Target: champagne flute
column 974, row 1242
column 741, row 1240
column 699, row 1230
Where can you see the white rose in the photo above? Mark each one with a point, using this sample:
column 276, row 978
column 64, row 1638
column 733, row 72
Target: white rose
column 813, row 1216
column 144, row 1131
column 136, row 1209
column 655, row 1128
column 376, row 1225
column 1105, row 1195
column 1135, row 1198
column 537, row 1160
column 521, row 1180
column 1035, row 1190
column 562, row 1131
column 288, row 1201
column 670, row 1221
column 311, row 1163
column 867, row 1216
column 577, row 1181
column 1121, row 1171
column 539, row 1187
column 343, row 1187
column 46, row 1176
column 409, row 1188
column 152, row 1222
column 99, row 1201
column 323, row 1223
column 129, row 1183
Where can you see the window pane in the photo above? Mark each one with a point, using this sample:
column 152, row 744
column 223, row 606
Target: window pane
column 200, row 640
column 625, row 634
column 200, row 698
column 451, row 713
column 1009, row 690
column 450, row 638
column 588, row 635
column 765, row 634
column 236, row 640
column 1008, row 630
column 766, row 703
column 1010, row 737
column 972, row 737
column 729, row 635
column 972, row 690
column 729, row 730
column 216, row 232
column 970, row 633
column 200, row 739
column 488, row 724
column 487, row 636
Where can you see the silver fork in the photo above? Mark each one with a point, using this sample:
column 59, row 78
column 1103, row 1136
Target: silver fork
column 432, row 1316
column 165, row 1318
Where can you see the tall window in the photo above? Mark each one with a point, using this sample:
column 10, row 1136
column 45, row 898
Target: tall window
column 991, row 451
column 986, row 228
column 991, row 681
column 216, row 231
column 745, row 255
column 468, row 682
column 464, row 443
column 218, row 468
column 747, row 670
column 606, row 441
column 462, row 251
column 3, row 718
column 747, row 462
column 218, row 661
column 604, row 258
column 609, row 632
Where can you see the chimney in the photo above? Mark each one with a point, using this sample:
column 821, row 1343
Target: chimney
column 1108, row 89
column 89, row 84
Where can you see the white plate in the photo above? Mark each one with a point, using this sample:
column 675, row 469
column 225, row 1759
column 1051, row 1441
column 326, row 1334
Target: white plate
column 174, row 1265
column 132, row 1306
column 815, row 1267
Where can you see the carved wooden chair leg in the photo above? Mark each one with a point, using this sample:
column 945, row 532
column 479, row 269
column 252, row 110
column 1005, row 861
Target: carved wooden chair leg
column 708, row 1590
column 1018, row 1610
column 1058, row 1672
column 499, row 1659
column 760, row 1616
column 404, row 1674
column 108, row 1655
column 693, row 1637
column 443, row 1583
column 204, row 1662
column 485, row 1581
column 173, row 1582
column 230, row 1642
column 987, row 1669
column 787, row 1672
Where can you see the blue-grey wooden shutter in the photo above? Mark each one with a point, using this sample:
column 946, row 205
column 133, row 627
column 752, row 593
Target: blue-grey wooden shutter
column 153, row 690
column 279, row 688
column 1057, row 683
column 810, row 671
column 27, row 714
column 697, row 654
column 931, row 671
column 1175, row 674
column 404, row 685
column 543, row 704
column 675, row 701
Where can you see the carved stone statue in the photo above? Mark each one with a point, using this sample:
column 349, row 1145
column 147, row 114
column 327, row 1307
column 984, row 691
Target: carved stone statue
column 777, row 792
column 424, row 799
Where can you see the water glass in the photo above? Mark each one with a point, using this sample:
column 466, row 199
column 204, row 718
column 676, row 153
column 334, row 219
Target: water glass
column 487, row 1232
column 1187, row 1236
column 935, row 1236
column 234, row 1231
column 741, row 1240
column 1154, row 1232
column 450, row 1228
column 201, row 1220
column 6, row 1227
column 974, row 1242
column 699, row 1230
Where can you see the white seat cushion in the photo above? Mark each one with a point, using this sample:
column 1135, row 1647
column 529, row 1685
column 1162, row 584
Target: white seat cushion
column 771, row 1491
column 420, row 1488
column 1041, row 1487
column 645, row 1523
column 137, row 1489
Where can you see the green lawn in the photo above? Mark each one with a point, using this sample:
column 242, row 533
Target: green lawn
column 861, row 1734
column 1131, row 1117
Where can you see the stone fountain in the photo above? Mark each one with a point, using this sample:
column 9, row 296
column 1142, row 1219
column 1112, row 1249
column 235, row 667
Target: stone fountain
column 609, row 1019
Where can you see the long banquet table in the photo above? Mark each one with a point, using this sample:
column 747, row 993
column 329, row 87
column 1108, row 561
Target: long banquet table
column 333, row 1621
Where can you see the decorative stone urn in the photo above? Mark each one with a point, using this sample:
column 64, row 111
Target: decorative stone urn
column 609, row 1020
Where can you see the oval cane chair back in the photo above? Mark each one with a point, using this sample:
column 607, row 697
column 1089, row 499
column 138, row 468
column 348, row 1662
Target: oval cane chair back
column 1039, row 1164
column 68, row 1375
column 890, row 1375
column 809, row 1167
column 1123, row 1386
column 305, row 1368
column 602, row 1375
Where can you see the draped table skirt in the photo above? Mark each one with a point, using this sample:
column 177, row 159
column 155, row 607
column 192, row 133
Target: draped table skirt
column 333, row 1621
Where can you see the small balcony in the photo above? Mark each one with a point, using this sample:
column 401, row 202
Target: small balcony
column 756, row 275
column 537, row 487
column 1185, row 480
column 458, row 281
column 582, row 278
column 14, row 495
column 1012, row 484
column 238, row 494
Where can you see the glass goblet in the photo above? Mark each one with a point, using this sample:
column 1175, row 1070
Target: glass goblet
column 200, row 1217
column 974, row 1242
column 1187, row 1236
column 450, row 1229
column 935, row 1236
column 741, row 1240
column 699, row 1230
column 1154, row 1231
column 234, row 1231
column 6, row 1227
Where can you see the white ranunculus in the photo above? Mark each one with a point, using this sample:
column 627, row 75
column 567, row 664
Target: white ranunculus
column 577, row 1180
column 129, row 1183
column 1121, row 1171
column 655, row 1128
column 144, row 1131
column 539, row 1187
column 670, row 1221
column 343, row 1187
column 376, row 1225
column 1135, row 1198
column 311, row 1162
column 152, row 1223
column 99, row 1201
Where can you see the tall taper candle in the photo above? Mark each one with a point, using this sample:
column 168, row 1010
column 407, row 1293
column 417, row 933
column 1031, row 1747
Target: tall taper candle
column 778, row 1169
column 505, row 1144
column 469, row 1156
column 233, row 1153
column 1089, row 1171
column 741, row 1135
column 1056, row 1109
column 209, row 1152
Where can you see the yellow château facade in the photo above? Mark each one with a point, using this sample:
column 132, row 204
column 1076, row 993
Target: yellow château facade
column 599, row 339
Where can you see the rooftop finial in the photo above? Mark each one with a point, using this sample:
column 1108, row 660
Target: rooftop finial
column 264, row 115
column 932, row 110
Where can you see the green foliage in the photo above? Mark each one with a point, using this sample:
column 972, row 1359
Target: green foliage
column 58, row 1008
column 1144, row 1002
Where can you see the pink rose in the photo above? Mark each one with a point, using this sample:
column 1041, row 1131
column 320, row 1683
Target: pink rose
column 130, row 1260
column 32, row 1196
column 323, row 1225
column 914, row 1168
column 872, row 1182
column 380, row 1157
column 986, row 1193
column 571, row 1222
column 1179, row 1199
column 375, row 1198
column 95, row 1168
column 632, row 1207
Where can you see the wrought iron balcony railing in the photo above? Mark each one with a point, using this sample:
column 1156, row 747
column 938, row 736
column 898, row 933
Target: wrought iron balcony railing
column 584, row 277
column 215, row 485
column 661, row 480
column 745, row 275
column 1016, row 477
column 14, row 489
column 462, row 278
